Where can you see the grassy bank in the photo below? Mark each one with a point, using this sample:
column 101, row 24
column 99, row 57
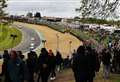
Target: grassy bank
column 54, row 26
column 6, row 40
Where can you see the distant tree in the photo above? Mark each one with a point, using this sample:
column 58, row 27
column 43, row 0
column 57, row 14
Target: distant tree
column 29, row 14
column 76, row 18
column 37, row 15
column 101, row 9
column 2, row 6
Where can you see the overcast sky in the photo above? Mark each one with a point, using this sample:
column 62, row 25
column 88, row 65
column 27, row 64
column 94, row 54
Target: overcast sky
column 60, row 8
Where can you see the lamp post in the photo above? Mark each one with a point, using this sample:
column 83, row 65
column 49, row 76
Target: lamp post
column 57, row 41
column 44, row 41
column 13, row 36
column 70, row 43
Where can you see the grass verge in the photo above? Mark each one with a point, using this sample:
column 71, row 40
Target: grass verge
column 6, row 41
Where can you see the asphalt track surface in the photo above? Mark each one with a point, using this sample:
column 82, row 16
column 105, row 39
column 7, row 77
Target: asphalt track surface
column 27, row 35
column 24, row 46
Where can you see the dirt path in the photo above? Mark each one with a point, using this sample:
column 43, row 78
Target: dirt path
column 51, row 38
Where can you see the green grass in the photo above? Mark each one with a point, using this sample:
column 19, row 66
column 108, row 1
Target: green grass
column 54, row 26
column 86, row 35
column 6, row 41
column 80, row 34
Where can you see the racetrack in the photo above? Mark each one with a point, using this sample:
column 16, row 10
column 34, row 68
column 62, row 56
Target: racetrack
column 28, row 34
column 51, row 39
column 29, row 31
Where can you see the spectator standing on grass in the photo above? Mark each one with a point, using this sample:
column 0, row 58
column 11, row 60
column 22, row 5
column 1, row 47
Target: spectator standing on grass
column 43, row 66
column 85, row 64
column 80, row 65
column 59, row 61
column 106, row 63
column 52, row 65
column 93, row 63
column 118, row 62
column 15, row 68
column 114, row 61
column 4, row 72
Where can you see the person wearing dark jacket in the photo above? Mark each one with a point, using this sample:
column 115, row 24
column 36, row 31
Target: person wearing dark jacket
column 67, row 62
column 59, row 61
column 15, row 68
column 20, row 54
column 106, row 63
column 52, row 65
column 6, row 55
column 4, row 72
column 34, row 54
column 26, row 71
column 43, row 66
column 31, row 64
column 93, row 63
column 116, row 61
column 80, row 65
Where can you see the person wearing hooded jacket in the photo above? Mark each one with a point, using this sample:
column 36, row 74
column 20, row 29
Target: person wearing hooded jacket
column 43, row 66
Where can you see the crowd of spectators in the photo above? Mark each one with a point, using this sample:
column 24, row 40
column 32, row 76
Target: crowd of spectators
column 85, row 62
column 16, row 68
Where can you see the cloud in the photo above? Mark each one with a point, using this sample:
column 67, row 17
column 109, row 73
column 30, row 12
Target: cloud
column 47, row 7
column 44, row 1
